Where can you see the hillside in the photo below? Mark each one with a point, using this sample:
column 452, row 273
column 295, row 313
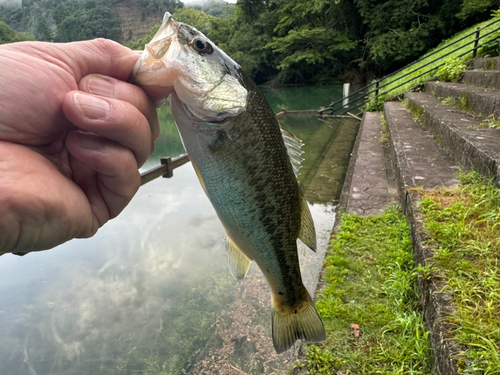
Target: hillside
column 135, row 22
column 71, row 20
column 276, row 42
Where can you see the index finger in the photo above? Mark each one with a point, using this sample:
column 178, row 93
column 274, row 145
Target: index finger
column 113, row 88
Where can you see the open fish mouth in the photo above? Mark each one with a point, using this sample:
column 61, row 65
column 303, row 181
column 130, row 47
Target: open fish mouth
column 150, row 60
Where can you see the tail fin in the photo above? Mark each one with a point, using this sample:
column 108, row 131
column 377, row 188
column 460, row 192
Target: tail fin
column 289, row 325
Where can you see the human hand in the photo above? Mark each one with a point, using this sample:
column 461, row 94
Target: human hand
column 72, row 137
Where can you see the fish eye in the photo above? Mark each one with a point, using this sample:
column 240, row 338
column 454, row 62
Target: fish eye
column 201, row 46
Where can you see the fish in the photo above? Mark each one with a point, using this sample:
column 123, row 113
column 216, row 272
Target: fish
column 246, row 164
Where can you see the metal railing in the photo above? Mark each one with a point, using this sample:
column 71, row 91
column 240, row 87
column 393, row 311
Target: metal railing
column 374, row 90
column 166, row 169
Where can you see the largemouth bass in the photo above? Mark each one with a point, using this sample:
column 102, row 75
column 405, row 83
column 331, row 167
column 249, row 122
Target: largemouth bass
column 239, row 154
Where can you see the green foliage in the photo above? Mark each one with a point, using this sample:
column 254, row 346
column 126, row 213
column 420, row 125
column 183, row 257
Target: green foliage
column 375, row 105
column 69, row 20
column 426, row 68
column 451, row 71
column 401, row 30
column 460, row 102
column 463, row 224
column 491, row 44
column 320, row 361
column 6, row 34
column 216, row 8
column 371, row 281
column 311, row 40
column 196, row 18
column 491, row 122
column 324, row 41
column 9, row 36
column 471, row 8
column 157, row 6
column 86, row 20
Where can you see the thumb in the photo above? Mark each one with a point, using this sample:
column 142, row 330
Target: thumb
column 100, row 56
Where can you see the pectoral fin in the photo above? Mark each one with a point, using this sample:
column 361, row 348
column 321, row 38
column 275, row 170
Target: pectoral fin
column 307, row 232
column 238, row 262
column 293, row 146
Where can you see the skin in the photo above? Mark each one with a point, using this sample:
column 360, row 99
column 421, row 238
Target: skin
column 73, row 134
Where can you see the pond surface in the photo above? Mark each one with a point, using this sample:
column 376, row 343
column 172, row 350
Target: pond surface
column 151, row 292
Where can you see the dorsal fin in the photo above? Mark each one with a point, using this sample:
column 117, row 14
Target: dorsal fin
column 307, row 232
column 237, row 261
column 293, row 146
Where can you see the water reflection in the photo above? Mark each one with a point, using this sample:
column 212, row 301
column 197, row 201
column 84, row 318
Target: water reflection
column 151, row 293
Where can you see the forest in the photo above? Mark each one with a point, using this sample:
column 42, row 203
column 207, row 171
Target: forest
column 275, row 41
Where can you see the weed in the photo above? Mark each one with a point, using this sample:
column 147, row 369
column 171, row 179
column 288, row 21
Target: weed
column 376, row 105
column 464, row 104
column 450, row 100
column 384, row 138
column 416, row 110
column 491, row 122
column 465, row 232
column 451, row 71
column 371, row 282
column 461, row 102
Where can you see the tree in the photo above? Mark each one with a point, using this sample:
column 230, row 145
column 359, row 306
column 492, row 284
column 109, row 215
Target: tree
column 9, row 36
column 88, row 20
column 314, row 40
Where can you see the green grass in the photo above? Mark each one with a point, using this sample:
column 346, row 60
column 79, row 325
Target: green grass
column 391, row 91
column 371, row 281
column 464, row 225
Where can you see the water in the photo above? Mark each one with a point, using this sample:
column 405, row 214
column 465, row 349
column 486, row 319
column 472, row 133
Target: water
column 151, row 292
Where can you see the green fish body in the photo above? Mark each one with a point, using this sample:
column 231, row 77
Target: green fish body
column 238, row 151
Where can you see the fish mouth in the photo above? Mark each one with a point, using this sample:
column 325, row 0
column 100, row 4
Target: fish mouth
column 150, row 62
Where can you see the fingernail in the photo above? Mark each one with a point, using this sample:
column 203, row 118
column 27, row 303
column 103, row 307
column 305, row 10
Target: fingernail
column 92, row 107
column 101, row 86
column 91, row 142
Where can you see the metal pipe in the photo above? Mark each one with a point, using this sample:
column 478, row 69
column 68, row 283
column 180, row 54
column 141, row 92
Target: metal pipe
column 476, row 42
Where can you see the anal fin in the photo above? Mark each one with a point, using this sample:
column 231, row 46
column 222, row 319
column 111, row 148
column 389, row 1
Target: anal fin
column 238, row 262
column 307, row 232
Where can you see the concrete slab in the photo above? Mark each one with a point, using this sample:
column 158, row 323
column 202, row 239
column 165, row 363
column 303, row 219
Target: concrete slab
column 369, row 185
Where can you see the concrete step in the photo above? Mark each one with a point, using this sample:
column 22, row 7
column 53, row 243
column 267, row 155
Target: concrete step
column 459, row 133
column 420, row 162
column 483, row 78
column 483, row 102
column 489, row 63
